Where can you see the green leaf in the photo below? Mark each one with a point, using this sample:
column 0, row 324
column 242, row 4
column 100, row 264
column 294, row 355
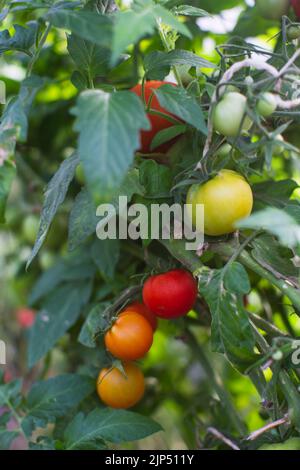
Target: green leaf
column 156, row 179
column 271, row 255
column 276, row 222
column 131, row 25
column 236, row 279
column 16, row 112
column 105, row 254
column 273, row 193
column 90, row 59
column 108, row 126
column 59, row 312
column 86, row 24
column 179, row 102
column 10, row 393
column 54, row 196
column 22, row 40
column 6, row 438
column 83, row 219
column 7, row 174
column 76, row 266
column 231, row 330
column 107, row 425
column 189, row 10
column 95, row 323
column 52, row 398
column 160, row 60
column 167, row 134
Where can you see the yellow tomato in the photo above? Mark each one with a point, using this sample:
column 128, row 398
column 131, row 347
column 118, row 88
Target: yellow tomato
column 226, row 198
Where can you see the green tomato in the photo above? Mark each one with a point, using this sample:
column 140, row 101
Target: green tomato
column 79, row 174
column 278, row 149
column 224, row 150
column 291, row 444
column 229, row 113
column 272, row 9
column 46, row 260
column 266, row 104
column 30, row 228
column 293, row 32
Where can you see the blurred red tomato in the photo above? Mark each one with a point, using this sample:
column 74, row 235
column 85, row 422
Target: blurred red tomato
column 296, row 7
column 25, row 317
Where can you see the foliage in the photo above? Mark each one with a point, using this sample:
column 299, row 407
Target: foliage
column 68, row 67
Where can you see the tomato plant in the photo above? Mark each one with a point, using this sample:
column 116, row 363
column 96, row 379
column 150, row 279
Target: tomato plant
column 114, row 115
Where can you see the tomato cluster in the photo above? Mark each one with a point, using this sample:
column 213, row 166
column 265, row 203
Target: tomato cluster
column 167, row 295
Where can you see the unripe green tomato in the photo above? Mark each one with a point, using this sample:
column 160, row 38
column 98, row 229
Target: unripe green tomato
column 224, row 150
column 46, row 260
column 266, row 104
column 272, row 9
column 30, row 228
column 291, row 444
column 278, row 149
column 293, row 32
column 229, row 113
column 79, row 174
column 226, row 198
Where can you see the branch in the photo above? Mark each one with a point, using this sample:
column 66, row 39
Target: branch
column 222, row 438
column 255, row 434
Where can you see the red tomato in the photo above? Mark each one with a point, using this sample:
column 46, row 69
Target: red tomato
column 158, row 123
column 140, row 308
column 130, row 337
column 296, row 7
column 120, row 391
column 171, row 294
column 8, row 376
column 25, row 317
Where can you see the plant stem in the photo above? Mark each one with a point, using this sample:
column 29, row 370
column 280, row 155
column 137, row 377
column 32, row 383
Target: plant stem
column 165, row 43
column 263, row 324
column 225, row 399
column 38, row 50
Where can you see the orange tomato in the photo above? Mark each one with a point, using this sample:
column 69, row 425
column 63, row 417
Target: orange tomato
column 130, row 337
column 118, row 390
column 141, row 308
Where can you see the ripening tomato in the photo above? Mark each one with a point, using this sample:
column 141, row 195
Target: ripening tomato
column 227, row 198
column 140, row 308
column 296, row 7
column 171, row 294
column 158, row 123
column 229, row 115
column 266, row 104
column 130, row 337
column 272, row 9
column 118, row 390
column 25, row 317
